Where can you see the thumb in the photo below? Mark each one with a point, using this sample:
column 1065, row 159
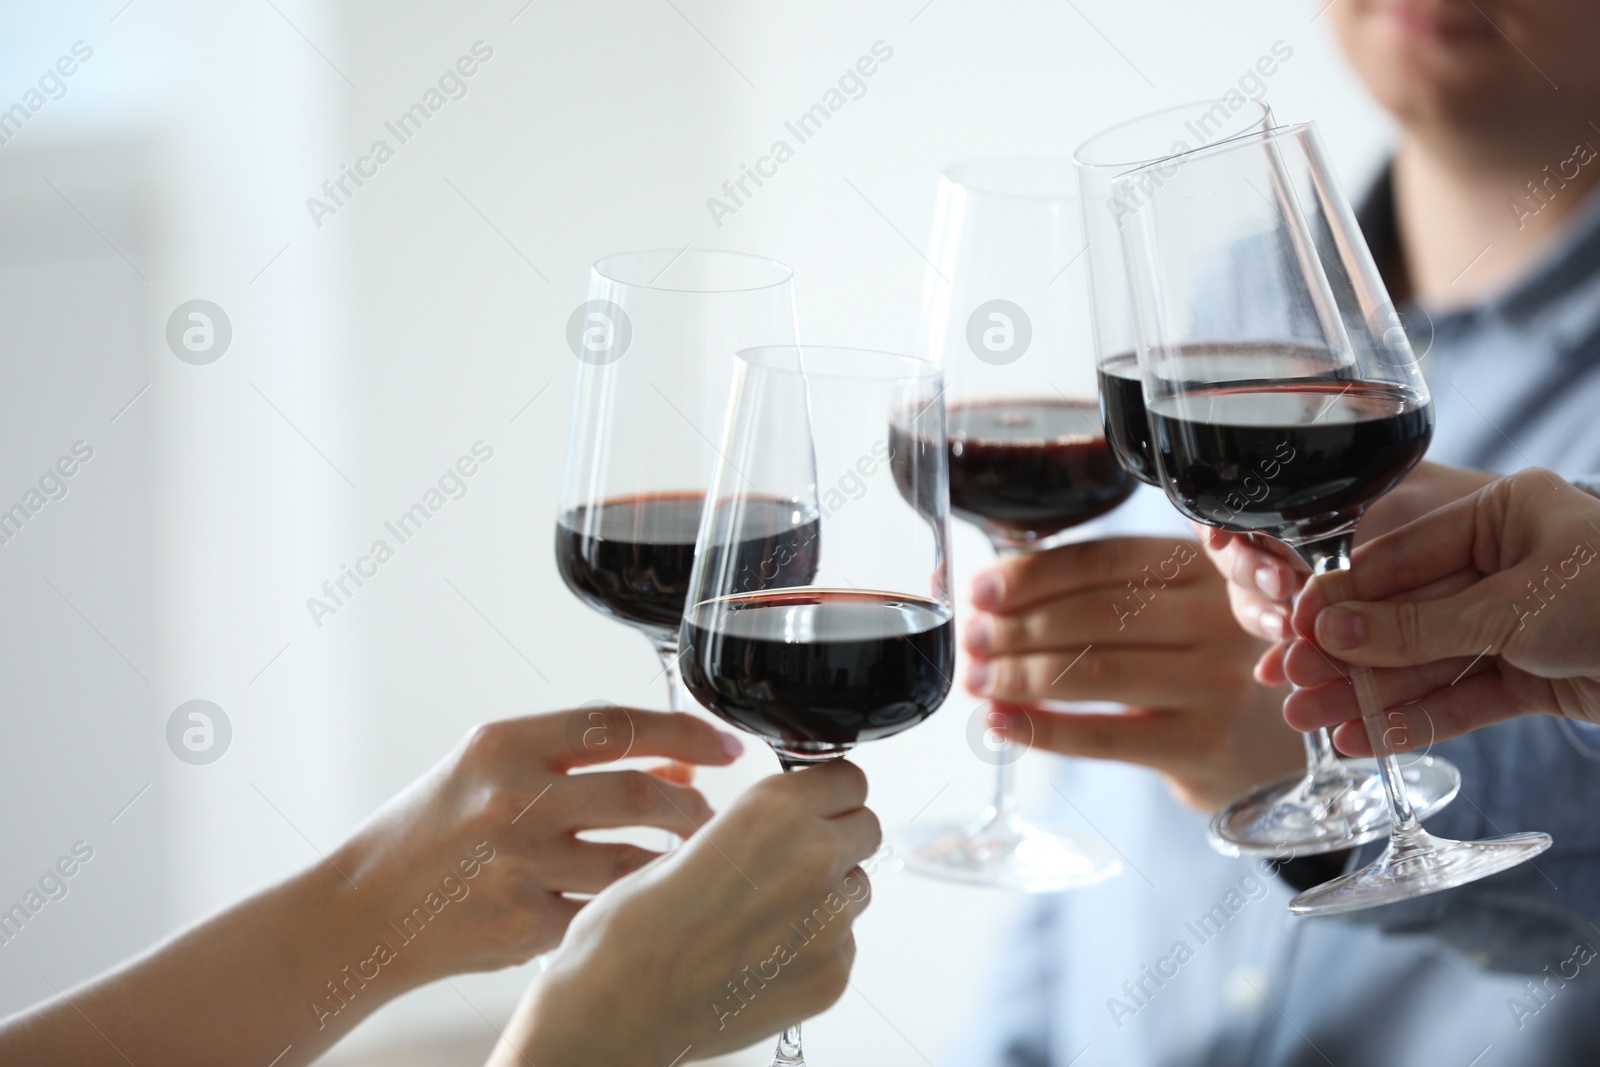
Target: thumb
column 1407, row 633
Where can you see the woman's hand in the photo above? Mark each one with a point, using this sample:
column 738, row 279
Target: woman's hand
column 1481, row 611
column 743, row 931
column 488, row 837
column 463, row 871
column 1138, row 620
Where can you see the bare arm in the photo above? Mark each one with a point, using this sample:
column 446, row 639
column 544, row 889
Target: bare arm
column 464, row 871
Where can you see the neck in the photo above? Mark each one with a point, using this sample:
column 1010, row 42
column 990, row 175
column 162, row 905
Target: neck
column 1475, row 218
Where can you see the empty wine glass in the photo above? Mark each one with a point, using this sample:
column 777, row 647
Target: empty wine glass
column 837, row 629
column 1281, row 404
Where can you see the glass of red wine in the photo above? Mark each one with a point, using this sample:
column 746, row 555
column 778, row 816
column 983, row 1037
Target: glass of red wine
column 858, row 643
column 1334, row 803
column 1282, row 404
column 656, row 342
column 1005, row 314
column 1331, row 803
column 1099, row 160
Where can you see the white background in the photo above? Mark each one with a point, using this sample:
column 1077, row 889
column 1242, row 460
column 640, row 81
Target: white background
column 371, row 352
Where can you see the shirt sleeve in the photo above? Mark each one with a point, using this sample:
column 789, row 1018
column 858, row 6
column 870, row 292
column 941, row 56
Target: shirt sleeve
column 1531, row 773
column 1589, row 483
column 1008, row 1024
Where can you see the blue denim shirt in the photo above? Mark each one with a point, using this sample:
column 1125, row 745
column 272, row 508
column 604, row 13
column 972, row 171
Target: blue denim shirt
column 1191, row 958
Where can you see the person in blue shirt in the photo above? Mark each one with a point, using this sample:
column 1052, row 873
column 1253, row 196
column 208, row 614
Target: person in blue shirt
column 1488, row 237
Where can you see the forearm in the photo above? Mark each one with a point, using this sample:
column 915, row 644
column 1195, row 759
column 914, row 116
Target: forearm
column 279, row 971
column 558, row 1025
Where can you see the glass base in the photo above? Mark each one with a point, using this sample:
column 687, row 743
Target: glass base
column 1299, row 815
column 1007, row 852
column 1421, row 865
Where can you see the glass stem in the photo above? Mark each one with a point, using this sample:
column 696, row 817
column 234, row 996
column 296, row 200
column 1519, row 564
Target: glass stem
column 788, row 1053
column 1323, row 767
column 1005, row 775
column 1332, row 564
column 1005, row 788
column 667, row 649
column 1322, row 762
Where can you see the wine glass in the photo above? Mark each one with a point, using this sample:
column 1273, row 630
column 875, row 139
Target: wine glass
column 1334, row 803
column 1004, row 312
column 1280, row 403
column 655, row 342
column 838, row 630
column 1103, row 157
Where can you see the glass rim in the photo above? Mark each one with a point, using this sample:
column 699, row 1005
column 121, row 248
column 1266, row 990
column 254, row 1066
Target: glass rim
column 1296, row 130
column 884, row 366
column 1079, row 153
column 1068, row 193
column 606, row 267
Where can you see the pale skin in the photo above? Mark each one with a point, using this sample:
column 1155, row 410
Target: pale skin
column 764, row 896
column 1487, row 94
column 1482, row 611
column 1167, row 647
column 484, row 844
column 1477, row 121
column 1263, row 576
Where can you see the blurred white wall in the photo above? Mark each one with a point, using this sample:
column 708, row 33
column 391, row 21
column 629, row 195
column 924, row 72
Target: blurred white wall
column 423, row 315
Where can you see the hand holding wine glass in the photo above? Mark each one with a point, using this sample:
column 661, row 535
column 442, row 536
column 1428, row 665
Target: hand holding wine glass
column 1004, row 315
column 1278, row 405
column 676, row 935
column 1476, row 613
column 1264, row 576
column 842, row 633
column 1163, row 644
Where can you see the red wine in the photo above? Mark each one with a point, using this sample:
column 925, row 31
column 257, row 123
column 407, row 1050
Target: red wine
column 815, row 671
column 1122, row 412
column 630, row 556
column 1298, row 459
column 1200, row 365
column 1026, row 469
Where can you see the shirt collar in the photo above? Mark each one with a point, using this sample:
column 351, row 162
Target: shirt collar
column 1559, row 292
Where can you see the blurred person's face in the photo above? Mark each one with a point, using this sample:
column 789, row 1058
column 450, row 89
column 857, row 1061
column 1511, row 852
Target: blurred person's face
column 1484, row 65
